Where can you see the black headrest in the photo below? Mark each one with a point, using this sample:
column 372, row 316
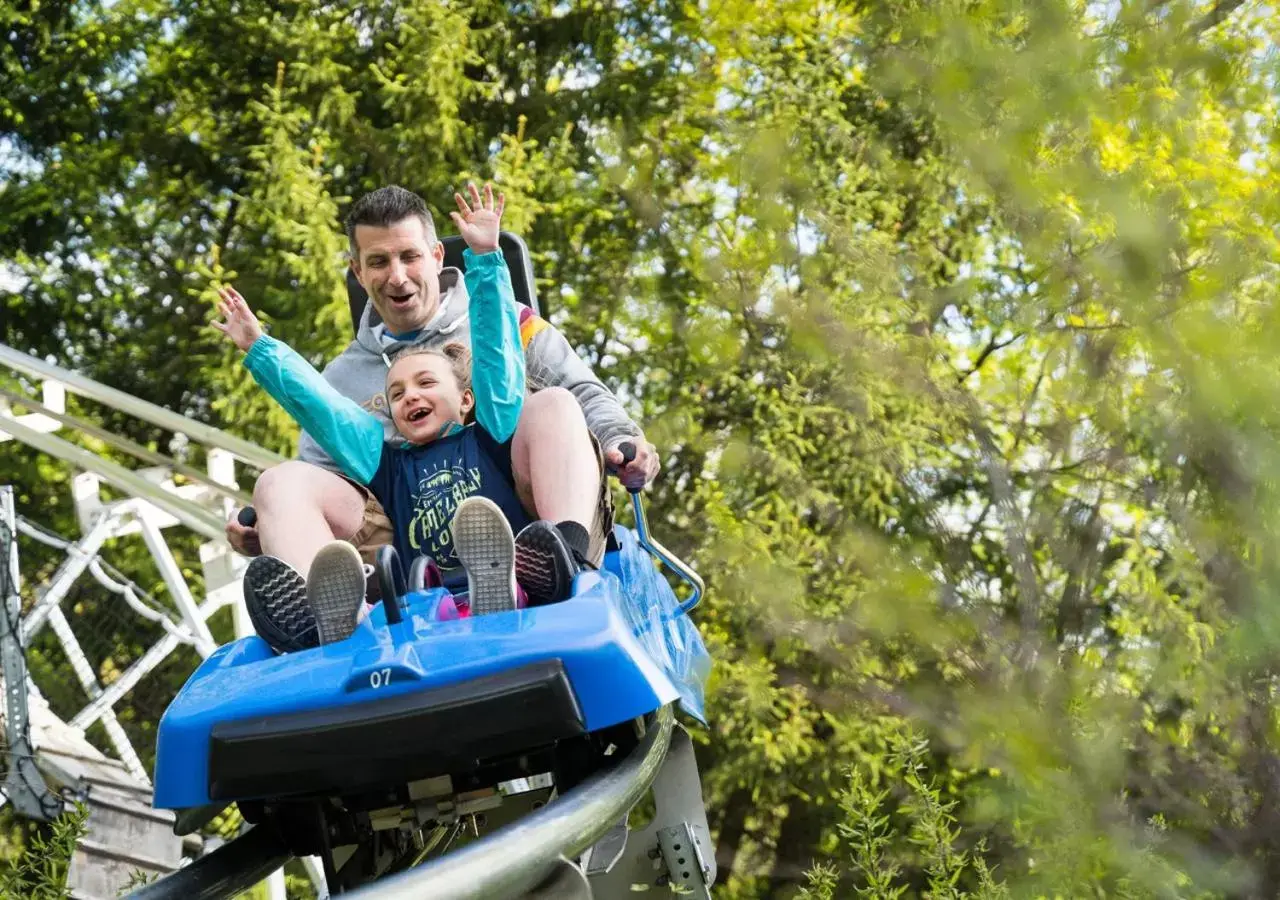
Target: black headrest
column 513, row 250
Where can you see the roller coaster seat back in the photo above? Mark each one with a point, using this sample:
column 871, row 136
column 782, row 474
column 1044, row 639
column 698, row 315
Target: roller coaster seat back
column 513, row 248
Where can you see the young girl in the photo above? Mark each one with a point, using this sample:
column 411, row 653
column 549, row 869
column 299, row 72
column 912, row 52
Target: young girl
column 448, row 490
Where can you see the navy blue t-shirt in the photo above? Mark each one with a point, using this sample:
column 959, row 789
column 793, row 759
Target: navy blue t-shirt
column 420, row 488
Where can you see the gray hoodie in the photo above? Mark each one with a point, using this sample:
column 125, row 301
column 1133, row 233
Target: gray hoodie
column 360, row 371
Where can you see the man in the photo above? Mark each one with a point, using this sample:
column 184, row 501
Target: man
column 415, row 301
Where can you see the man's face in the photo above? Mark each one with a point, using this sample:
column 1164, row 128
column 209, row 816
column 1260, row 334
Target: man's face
column 400, row 271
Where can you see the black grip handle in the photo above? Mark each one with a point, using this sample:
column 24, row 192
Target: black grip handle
column 628, row 451
column 390, row 580
column 248, row 517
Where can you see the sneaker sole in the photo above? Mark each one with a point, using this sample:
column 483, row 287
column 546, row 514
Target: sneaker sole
column 483, row 543
column 335, row 590
column 276, row 600
column 542, row 567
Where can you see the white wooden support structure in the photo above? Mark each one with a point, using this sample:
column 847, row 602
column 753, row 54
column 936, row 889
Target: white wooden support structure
column 156, row 502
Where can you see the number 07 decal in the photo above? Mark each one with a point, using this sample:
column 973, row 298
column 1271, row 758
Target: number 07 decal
column 379, row 677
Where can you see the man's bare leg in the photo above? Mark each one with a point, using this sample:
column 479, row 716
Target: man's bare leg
column 308, row 583
column 301, row 508
column 557, row 476
column 556, row 471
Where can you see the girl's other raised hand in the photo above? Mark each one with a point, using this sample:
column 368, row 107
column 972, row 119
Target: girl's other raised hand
column 240, row 324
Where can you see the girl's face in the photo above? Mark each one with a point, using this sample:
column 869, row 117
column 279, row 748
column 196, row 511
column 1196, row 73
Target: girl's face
column 424, row 397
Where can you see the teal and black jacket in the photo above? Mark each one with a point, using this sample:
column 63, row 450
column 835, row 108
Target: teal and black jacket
column 420, row 486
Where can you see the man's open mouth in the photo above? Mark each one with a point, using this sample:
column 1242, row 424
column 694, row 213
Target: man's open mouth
column 401, row 299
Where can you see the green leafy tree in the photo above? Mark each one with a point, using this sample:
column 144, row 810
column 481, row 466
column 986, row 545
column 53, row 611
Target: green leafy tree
column 953, row 321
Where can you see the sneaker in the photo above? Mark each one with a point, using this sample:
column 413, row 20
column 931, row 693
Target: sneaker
column 483, row 544
column 275, row 594
column 335, row 590
column 548, row 558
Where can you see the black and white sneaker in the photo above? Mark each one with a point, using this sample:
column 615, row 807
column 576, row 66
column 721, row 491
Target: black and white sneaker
column 483, row 544
column 547, row 559
column 335, row 590
column 275, row 594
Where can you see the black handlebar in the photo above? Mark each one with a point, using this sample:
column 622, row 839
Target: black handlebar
column 628, row 451
column 390, row 580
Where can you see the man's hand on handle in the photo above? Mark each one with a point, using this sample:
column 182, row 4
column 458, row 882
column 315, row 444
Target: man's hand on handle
column 634, row 470
column 242, row 532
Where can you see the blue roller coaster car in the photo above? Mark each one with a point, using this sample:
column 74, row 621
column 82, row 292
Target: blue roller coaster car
column 420, row 697
column 420, row 729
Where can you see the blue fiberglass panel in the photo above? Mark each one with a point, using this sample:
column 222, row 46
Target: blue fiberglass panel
column 612, row 675
column 653, row 611
column 623, row 646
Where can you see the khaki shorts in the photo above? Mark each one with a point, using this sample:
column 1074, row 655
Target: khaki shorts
column 601, row 529
column 376, row 528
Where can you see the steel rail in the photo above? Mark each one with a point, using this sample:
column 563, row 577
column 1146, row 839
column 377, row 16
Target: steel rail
column 506, row 864
column 516, row 859
column 234, row 867
column 127, row 403
column 133, row 448
column 196, row 518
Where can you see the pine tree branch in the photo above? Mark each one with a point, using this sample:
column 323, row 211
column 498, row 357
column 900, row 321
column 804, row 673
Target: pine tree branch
column 1216, row 16
column 228, row 224
column 992, row 346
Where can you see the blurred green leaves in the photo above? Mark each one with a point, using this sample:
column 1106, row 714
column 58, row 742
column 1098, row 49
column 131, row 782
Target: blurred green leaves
column 955, row 323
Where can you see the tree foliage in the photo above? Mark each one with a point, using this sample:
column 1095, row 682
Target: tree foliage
column 952, row 321
column 40, row 871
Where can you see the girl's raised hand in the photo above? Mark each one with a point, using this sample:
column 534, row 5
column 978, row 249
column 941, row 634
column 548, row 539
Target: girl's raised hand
column 480, row 221
column 241, row 324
